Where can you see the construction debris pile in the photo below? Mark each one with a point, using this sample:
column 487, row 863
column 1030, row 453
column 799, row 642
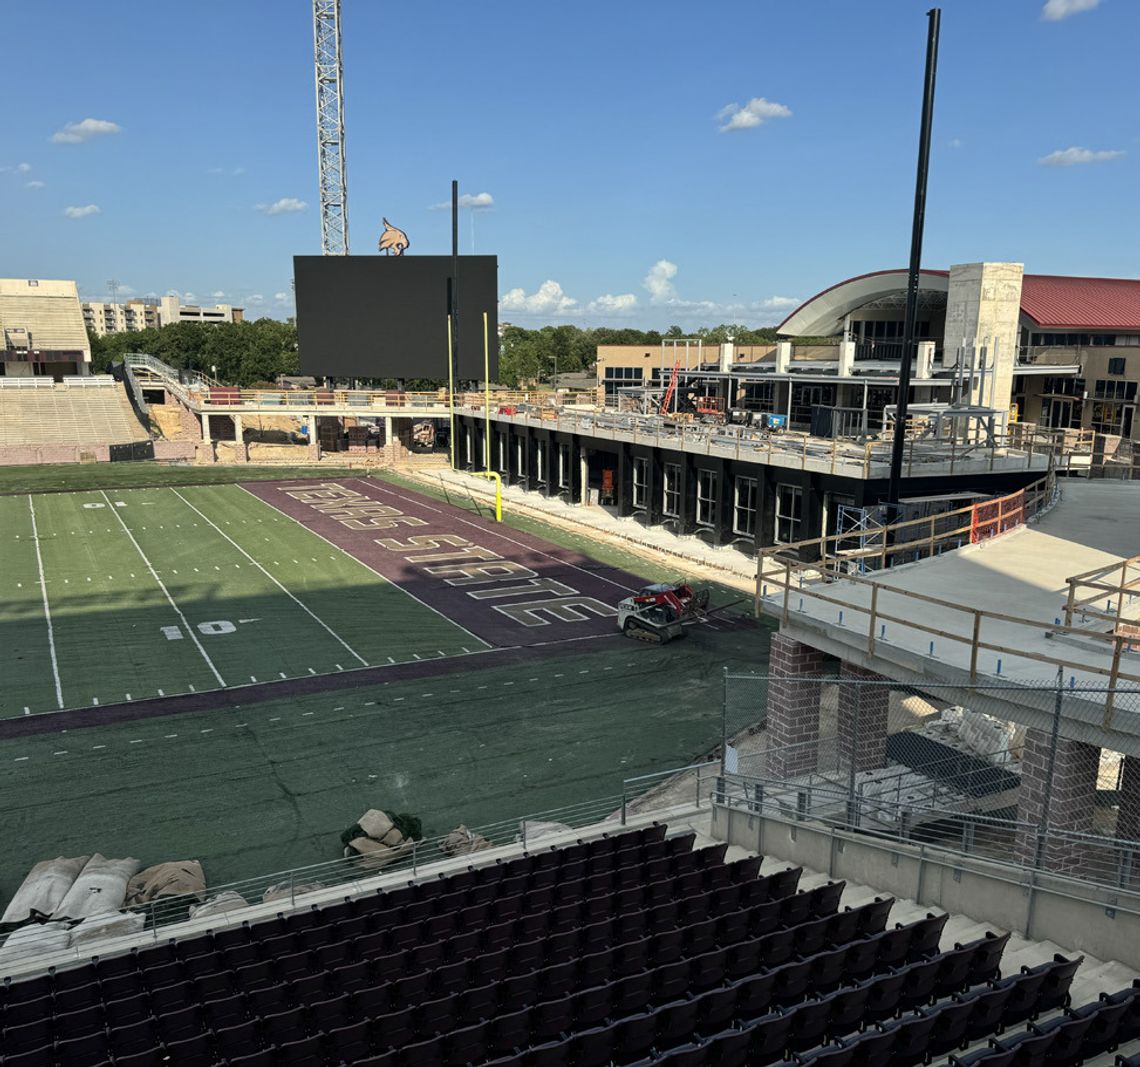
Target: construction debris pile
column 378, row 838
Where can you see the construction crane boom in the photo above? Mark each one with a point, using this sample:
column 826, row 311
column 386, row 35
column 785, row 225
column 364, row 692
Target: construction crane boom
column 330, row 128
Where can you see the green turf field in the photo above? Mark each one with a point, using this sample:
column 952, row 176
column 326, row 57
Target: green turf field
column 266, row 787
column 155, row 592
column 66, row 477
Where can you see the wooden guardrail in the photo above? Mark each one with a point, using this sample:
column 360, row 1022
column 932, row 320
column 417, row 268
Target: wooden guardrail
column 1103, row 587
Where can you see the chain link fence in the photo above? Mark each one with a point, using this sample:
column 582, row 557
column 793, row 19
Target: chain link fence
column 1037, row 775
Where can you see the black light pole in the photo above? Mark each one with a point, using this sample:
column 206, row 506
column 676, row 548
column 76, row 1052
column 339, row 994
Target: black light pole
column 908, row 351
column 453, row 303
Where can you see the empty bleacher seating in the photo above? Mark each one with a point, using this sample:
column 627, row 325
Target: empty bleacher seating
column 629, row 949
column 82, row 411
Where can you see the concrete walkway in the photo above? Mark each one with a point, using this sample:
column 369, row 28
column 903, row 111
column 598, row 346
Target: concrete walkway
column 727, row 565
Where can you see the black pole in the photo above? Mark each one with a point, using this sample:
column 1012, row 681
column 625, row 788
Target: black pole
column 453, row 301
column 909, row 347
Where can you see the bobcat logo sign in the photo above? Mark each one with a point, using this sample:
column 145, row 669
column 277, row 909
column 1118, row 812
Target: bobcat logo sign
column 393, row 242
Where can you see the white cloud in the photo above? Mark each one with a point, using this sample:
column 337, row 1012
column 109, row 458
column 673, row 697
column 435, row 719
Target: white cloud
column 659, row 282
column 548, row 299
column 217, row 294
column 82, row 212
column 1055, row 10
column 23, row 168
column 613, row 304
column 77, row 132
column 755, row 113
column 222, row 170
column 955, row 142
column 255, row 298
column 287, row 205
column 281, row 298
column 477, row 202
column 1072, row 157
column 125, row 290
column 34, row 184
column 188, row 296
column 778, row 303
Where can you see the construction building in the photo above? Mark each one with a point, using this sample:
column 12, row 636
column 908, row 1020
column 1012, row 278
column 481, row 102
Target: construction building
column 1058, row 352
column 42, row 329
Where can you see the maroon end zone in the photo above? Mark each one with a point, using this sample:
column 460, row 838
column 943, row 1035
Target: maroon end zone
column 507, row 587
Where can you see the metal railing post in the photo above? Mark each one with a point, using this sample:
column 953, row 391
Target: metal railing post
column 623, row 807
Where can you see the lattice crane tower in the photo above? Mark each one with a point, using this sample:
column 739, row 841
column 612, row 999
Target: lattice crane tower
column 330, row 128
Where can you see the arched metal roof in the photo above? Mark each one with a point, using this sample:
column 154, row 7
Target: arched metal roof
column 823, row 314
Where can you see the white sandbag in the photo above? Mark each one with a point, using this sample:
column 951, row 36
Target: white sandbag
column 227, row 900
column 46, row 885
column 462, row 841
column 114, row 924
column 35, row 939
column 375, row 823
column 101, row 887
column 532, row 829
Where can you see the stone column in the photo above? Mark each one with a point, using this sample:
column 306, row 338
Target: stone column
column 864, row 701
column 583, row 475
column 205, row 426
column 793, row 707
column 1071, row 799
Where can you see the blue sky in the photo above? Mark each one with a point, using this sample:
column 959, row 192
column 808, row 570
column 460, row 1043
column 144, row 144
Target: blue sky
column 151, row 142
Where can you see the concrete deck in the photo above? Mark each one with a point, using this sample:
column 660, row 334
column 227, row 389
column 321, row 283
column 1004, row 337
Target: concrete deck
column 1021, row 574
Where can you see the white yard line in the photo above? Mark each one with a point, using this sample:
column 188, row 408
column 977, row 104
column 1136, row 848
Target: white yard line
column 166, row 592
column 496, row 533
column 328, row 629
column 395, row 585
column 47, row 610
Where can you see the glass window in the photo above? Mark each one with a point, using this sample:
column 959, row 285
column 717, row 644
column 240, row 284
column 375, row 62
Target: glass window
column 1116, row 365
column 540, row 462
column 806, row 396
column 671, row 491
column 744, row 507
column 640, row 482
column 564, row 466
column 615, row 378
column 706, row 498
column 520, row 456
column 503, row 453
column 789, row 510
column 758, row 396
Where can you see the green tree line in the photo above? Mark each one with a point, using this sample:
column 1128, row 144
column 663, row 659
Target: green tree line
column 244, row 353
column 535, row 355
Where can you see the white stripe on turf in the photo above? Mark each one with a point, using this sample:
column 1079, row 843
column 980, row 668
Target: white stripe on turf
column 328, row 629
column 166, row 592
column 47, row 610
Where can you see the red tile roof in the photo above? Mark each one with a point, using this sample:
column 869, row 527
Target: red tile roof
column 1060, row 303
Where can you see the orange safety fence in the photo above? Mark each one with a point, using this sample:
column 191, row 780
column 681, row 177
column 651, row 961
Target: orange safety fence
column 993, row 517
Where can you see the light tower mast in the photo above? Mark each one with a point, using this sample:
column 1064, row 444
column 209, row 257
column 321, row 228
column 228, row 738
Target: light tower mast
column 330, row 128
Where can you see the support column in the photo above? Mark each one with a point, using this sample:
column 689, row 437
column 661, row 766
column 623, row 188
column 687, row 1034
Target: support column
column 314, row 445
column 794, row 685
column 241, row 449
column 583, row 475
column 387, row 429
column 864, row 701
column 1070, row 798
column 205, row 427
column 1128, row 817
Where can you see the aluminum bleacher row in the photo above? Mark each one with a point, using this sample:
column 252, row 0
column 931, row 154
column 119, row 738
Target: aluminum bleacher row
column 628, row 949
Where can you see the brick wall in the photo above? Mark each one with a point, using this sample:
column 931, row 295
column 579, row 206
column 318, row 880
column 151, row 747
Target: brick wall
column 29, row 455
column 794, row 685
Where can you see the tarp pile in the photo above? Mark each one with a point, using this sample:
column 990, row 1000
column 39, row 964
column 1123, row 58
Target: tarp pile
column 67, row 902
column 461, row 842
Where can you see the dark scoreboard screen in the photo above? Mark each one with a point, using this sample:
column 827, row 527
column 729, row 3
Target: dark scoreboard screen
column 386, row 316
